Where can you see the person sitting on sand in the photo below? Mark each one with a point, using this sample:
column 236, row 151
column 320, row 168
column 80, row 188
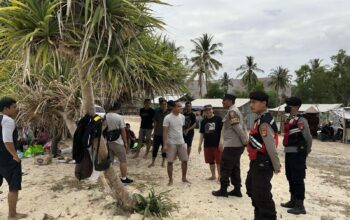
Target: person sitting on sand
column 42, row 137
column 10, row 163
column 210, row 132
column 174, row 143
column 130, row 136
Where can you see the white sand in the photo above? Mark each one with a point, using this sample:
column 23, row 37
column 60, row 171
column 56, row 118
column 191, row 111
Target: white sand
column 51, row 192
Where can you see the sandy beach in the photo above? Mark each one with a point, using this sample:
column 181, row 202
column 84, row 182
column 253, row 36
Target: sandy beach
column 52, row 192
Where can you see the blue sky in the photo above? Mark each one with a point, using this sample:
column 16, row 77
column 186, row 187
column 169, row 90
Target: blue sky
column 275, row 32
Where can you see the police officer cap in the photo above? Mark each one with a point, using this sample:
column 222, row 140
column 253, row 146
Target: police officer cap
column 293, row 101
column 229, row 97
column 259, row 96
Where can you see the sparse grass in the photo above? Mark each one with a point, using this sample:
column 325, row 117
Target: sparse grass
column 154, row 205
column 344, row 208
column 71, row 184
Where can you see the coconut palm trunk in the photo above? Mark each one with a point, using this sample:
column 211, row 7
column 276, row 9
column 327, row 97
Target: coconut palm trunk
column 117, row 189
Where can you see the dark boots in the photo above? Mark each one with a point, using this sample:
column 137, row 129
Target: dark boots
column 298, row 208
column 236, row 192
column 222, row 192
column 289, row 204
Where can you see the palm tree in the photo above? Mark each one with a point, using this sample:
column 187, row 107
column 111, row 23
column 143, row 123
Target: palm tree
column 226, row 82
column 84, row 31
column 280, row 80
column 248, row 71
column 203, row 63
column 315, row 64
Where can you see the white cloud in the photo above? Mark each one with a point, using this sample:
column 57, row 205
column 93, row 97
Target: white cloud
column 275, row 32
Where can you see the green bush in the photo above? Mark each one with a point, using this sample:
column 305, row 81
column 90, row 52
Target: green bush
column 154, row 205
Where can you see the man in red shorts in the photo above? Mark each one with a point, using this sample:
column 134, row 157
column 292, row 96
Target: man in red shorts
column 210, row 132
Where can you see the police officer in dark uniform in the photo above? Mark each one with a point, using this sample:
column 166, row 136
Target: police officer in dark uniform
column 297, row 142
column 264, row 161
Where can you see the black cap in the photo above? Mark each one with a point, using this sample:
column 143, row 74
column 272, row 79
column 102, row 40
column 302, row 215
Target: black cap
column 229, row 97
column 293, row 101
column 208, row 107
column 171, row 103
column 259, row 96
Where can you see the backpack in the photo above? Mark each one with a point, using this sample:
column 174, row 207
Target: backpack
column 88, row 128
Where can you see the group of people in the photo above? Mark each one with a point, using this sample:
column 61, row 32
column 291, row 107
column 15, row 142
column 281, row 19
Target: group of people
column 224, row 139
column 261, row 145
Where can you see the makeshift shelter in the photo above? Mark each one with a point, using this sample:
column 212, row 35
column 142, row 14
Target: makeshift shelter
column 316, row 114
column 241, row 104
column 341, row 120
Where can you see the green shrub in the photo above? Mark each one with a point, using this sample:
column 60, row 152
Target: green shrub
column 154, row 205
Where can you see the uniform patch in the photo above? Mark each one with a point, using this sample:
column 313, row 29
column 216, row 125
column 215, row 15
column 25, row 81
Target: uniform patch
column 301, row 125
column 264, row 130
column 234, row 118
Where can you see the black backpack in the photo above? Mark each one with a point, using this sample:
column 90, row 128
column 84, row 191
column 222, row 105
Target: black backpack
column 88, row 128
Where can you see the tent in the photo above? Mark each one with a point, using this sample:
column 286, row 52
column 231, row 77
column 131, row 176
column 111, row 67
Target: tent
column 341, row 119
column 310, row 108
column 316, row 114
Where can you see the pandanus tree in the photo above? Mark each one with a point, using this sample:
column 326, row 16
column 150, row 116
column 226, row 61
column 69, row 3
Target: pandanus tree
column 88, row 32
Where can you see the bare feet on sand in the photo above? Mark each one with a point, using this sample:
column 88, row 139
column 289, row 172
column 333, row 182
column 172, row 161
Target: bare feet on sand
column 186, row 181
column 151, row 165
column 17, row 216
column 212, row 178
column 170, row 183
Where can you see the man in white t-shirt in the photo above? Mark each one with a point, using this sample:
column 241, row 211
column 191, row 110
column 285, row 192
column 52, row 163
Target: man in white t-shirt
column 174, row 144
column 10, row 163
column 119, row 146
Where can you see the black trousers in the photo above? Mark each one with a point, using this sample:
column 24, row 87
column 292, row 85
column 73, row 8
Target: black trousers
column 231, row 166
column 157, row 141
column 258, row 184
column 295, row 165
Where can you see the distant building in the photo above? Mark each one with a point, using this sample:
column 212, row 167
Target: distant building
column 241, row 104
